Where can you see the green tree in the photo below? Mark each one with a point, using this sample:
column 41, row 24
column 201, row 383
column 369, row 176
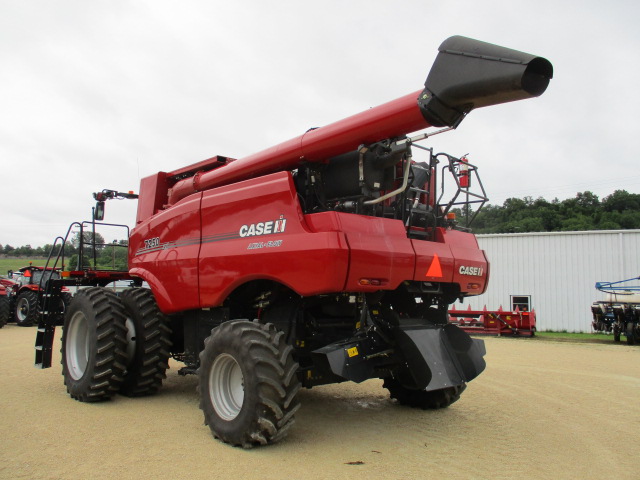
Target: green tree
column 577, row 223
column 621, row 200
column 585, row 211
column 587, row 202
column 87, row 240
column 24, row 250
column 114, row 256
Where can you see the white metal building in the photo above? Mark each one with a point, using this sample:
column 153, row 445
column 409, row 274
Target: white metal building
column 555, row 273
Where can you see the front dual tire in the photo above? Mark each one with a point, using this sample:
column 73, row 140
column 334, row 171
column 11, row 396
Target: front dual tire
column 94, row 345
column 114, row 344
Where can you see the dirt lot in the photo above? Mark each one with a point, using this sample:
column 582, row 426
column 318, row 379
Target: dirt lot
column 541, row 410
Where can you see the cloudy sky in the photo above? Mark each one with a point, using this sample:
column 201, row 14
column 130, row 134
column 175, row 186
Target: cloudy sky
column 99, row 94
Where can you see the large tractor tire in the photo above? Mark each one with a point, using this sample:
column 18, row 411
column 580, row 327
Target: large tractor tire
column 66, row 298
column 4, row 310
column 148, row 343
column 616, row 332
column 26, row 313
column 633, row 333
column 94, row 345
column 421, row 398
column 248, row 383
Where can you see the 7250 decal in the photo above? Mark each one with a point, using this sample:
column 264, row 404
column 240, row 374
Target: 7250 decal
column 152, row 242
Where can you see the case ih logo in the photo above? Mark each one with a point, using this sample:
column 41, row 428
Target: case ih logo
column 263, row 228
column 474, row 271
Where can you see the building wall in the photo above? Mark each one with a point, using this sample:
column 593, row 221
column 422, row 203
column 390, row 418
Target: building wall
column 558, row 270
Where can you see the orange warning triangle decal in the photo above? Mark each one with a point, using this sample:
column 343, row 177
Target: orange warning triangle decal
column 435, row 270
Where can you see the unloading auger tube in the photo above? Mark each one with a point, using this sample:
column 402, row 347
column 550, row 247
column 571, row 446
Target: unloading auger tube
column 466, row 74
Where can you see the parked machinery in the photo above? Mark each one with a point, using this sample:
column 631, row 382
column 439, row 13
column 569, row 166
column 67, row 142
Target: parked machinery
column 23, row 290
column 329, row 257
column 5, row 301
column 495, row 322
column 619, row 313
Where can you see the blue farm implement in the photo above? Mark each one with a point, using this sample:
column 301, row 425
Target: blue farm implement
column 619, row 313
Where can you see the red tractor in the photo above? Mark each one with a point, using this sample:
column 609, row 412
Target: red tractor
column 5, row 301
column 23, row 293
column 330, row 257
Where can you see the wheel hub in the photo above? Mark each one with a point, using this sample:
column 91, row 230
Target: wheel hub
column 23, row 309
column 77, row 346
column 226, row 387
column 131, row 341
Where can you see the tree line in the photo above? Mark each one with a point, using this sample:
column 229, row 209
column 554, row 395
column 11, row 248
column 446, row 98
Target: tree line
column 112, row 255
column 618, row 211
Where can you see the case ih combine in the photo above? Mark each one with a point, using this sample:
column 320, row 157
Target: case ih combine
column 327, row 258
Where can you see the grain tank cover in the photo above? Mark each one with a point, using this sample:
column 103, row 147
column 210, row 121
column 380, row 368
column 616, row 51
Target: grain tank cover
column 470, row 74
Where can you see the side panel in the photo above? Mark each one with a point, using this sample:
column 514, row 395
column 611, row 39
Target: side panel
column 471, row 268
column 434, row 262
column 153, row 194
column 379, row 247
column 164, row 252
column 460, row 259
column 255, row 230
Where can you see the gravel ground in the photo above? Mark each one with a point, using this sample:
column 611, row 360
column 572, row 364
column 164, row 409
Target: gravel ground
column 541, row 410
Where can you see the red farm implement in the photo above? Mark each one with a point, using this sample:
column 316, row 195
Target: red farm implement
column 495, row 322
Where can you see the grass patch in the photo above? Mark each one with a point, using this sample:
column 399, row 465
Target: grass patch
column 15, row 264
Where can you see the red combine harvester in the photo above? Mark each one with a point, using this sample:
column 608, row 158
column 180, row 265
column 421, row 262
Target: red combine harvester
column 327, row 258
column 495, row 322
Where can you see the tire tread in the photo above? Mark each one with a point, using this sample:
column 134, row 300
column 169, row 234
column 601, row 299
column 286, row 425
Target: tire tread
column 264, row 350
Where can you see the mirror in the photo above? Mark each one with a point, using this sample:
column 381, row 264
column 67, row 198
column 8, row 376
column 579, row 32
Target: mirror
column 98, row 212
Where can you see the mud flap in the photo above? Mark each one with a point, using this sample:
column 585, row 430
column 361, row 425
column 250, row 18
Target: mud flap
column 435, row 357
column 440, row 356
column 345, row 359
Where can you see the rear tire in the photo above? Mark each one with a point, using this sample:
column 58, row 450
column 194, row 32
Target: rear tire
column 148, row 343
column 421, row 398
column 94, row 345
column 65, row 298
column 633, row 336
column 4, row 310
column 26, row 308
column 248, row 383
